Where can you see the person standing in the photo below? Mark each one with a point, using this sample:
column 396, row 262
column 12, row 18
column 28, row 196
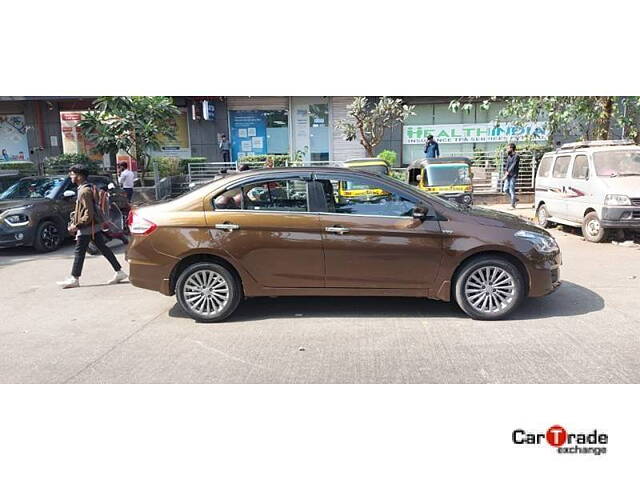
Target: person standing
column 86, row 225
column 126, row 180
column 225, row 148
column 431, row 148
column 512, row 168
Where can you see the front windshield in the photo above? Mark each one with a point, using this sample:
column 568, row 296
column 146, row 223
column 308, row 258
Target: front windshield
column 33, row 188
column 440, row 175
column 617, row 163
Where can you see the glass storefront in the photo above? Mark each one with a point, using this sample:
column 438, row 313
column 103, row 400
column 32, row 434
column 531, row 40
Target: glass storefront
column 311, row 129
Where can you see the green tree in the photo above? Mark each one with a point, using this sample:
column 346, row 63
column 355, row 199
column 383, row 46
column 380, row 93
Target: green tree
column 369, row 121
column 132, row 124
column 589, row 117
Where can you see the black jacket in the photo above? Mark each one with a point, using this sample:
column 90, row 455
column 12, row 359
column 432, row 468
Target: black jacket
column 513, row 165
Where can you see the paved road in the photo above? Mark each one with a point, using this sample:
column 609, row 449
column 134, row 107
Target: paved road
column 587, row 332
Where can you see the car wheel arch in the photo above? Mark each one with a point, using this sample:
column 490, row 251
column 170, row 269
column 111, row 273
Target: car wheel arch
column 198, row 258
column 508, row 256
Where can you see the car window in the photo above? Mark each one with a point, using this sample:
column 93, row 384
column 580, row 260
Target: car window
column 561, row 166
column 580, row 167
column 370, row 198
column 287, row 195
column 544, row 169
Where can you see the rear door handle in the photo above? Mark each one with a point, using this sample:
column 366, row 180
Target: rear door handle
column 229, row 227
column 337, row 230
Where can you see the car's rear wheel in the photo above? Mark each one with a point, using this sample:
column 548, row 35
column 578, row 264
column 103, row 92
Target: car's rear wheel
column 208, row 292
column 592, row 229
column 48, row 237
column 489, row 288
column 542, row 217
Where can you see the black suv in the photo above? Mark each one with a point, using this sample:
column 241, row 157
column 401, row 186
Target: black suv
column 35, row 211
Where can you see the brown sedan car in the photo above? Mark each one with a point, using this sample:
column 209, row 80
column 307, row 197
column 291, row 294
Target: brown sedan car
column 278, row 232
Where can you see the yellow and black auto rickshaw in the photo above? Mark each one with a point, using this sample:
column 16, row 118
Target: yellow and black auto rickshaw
column 447, row 177
column 349, row 189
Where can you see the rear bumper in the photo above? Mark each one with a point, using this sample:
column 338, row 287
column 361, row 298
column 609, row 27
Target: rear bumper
column 621, row 217
column 148, row 268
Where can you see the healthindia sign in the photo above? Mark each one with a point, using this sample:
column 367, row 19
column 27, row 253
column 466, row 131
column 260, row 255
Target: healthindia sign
column 475, row 133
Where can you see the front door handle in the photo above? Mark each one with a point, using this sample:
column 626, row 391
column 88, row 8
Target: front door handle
column 229, row 227
column 337, row 230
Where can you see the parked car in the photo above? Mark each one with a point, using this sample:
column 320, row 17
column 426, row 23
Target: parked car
column 282, row 232
column 592, row 185
column 35, row 211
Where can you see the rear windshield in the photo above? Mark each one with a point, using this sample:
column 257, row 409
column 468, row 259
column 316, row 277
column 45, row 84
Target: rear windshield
column 617, row 163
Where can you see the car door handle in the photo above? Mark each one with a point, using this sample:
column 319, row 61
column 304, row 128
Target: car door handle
column 229, row 227
column 337, row 230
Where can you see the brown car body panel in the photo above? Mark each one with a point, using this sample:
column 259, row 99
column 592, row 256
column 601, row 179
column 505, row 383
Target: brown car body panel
column 291, row 254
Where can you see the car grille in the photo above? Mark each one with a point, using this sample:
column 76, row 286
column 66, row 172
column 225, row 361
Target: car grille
column 635, row 202
column 636, row 215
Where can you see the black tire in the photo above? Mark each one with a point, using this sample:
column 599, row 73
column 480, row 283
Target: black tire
column 542, row 216
column 592, row 230
column 48, row 237
column 510, row 299
column 185, row 288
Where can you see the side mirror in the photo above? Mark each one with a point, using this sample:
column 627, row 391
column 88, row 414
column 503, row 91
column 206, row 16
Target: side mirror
column 69, row 194
column 111, row 186
column 421, row 212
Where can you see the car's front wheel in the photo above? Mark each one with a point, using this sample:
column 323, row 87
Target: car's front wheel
column 489, row 288
column 208, row 292
column 48, row 237
column 542, row 217
column 592, row 229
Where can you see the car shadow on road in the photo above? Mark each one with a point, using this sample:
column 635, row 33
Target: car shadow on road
column 16, row 255
column 569, row 301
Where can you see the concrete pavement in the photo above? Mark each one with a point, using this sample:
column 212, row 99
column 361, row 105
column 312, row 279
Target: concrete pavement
column 586, row 332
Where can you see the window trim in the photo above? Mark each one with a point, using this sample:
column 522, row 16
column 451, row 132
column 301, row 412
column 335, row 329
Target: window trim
column 328, row 176
column 573, row 166
column 556, row 162
column 259, row 180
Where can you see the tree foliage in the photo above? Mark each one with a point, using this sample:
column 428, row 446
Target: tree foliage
column 132, row 124
column 369, row 121
column 588, row 117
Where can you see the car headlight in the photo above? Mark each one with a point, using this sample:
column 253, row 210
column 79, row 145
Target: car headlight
column 17, row 220
column 617, row 200
column 542, row 243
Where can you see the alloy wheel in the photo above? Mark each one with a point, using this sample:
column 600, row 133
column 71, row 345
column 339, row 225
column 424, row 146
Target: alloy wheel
column 50, row 237
column 490, row 289
column 206, row 292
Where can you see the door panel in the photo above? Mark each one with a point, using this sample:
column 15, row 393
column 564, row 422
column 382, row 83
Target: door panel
column 266, row 226
column 381, row 252
column 578, row 188
column 557, row 203
column 373, row 241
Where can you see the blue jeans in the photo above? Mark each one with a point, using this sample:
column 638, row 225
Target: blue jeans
column 510, row 188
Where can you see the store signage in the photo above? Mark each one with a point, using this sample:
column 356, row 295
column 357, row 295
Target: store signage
column 13, row 139
column 73, row 141
column 208, row 110
column 475, row 133
column 248, row 133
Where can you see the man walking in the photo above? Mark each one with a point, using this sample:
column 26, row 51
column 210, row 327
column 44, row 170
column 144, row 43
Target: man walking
column 431, row 149
column 225, row 148
column 511, row 173
column 126, row 179
column 86, row 224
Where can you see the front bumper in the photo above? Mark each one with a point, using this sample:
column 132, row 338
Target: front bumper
column 621, row 217
column 544, row 276
column 458, row 197
column 15, row 236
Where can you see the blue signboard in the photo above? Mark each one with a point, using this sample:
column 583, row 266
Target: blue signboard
column 248, row 134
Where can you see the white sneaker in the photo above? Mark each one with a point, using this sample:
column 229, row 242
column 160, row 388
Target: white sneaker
column 117, row 278
column 69, row 282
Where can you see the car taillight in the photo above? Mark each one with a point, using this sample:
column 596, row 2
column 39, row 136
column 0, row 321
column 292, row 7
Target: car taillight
column 139, row 225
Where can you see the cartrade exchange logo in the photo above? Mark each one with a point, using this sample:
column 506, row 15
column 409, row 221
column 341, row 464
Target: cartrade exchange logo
column 594, row 442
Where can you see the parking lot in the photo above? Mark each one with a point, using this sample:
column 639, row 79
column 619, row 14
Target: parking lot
column 586, row 332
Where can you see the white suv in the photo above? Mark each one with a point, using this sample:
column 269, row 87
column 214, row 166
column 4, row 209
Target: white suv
column 593, row 185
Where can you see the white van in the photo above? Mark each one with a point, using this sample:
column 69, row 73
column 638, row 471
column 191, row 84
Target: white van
column 593, row 185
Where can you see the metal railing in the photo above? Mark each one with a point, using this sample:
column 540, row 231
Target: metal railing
column 487, row 169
